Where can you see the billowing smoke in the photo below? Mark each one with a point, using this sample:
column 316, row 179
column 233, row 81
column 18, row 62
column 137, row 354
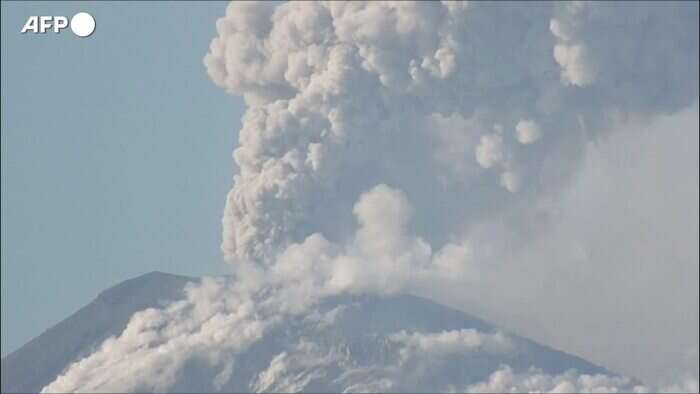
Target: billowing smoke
column 505, row 380
column 391, row 147
column 343, row 96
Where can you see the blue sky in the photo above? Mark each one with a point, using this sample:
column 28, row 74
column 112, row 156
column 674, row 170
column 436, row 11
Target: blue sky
column 116, row 155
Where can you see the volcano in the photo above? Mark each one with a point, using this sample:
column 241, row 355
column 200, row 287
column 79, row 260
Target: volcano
column 345, row 343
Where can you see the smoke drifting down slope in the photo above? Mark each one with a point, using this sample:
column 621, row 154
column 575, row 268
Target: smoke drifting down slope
column 397, row 147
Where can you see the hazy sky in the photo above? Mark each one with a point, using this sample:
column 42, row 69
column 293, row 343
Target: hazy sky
column 116, row 155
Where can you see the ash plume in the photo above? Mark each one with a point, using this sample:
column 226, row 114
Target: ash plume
column 426, row 147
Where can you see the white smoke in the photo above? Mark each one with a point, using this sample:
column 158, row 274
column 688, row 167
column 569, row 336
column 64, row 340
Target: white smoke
column 158, row 343
column 332, row 87
column 455, row 341
column 453, row 105
column 287, row 371
column 307, row 362
column 615, row 252
column 528, row 131
column 490, row 150
column 505, row 380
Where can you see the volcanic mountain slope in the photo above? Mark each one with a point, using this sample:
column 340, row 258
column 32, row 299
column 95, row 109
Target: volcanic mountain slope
column 39, row 361
column 345, row 343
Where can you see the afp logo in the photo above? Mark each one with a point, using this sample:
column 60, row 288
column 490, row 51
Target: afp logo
column 82, row 24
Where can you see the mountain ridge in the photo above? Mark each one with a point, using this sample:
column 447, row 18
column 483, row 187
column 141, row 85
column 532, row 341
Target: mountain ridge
column 366, row 323
column 134, row 294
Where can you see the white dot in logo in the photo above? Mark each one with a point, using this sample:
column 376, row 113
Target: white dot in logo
column 82, row 24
